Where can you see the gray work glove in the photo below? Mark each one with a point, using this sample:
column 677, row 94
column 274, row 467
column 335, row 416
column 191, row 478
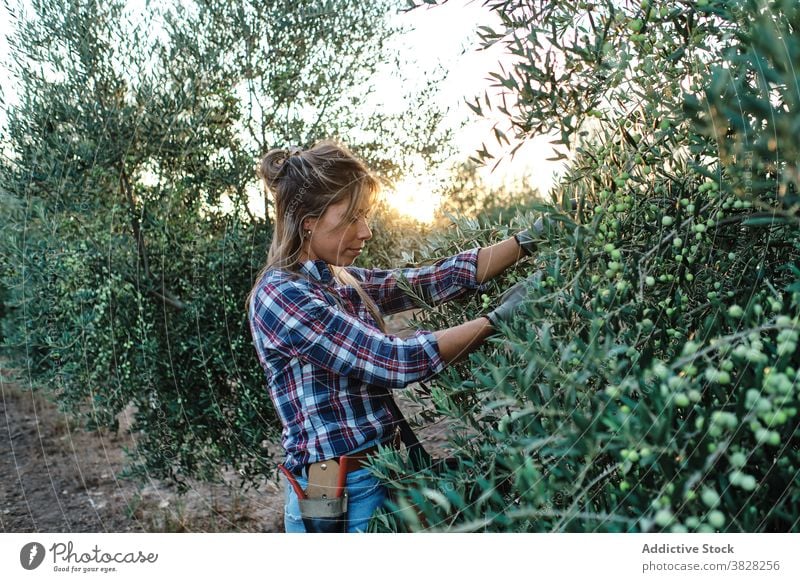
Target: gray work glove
column 512, row 298
column 527, row 239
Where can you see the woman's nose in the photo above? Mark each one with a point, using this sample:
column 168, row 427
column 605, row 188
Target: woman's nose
column 364, row 232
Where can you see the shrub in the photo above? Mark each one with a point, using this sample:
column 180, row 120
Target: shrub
column 125, row 278
column 650, row 382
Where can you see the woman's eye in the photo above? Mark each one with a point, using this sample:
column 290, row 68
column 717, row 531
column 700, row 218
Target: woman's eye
column 365, row 215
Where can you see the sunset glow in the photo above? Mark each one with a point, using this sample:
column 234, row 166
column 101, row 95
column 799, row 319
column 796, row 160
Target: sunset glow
column 416, row 198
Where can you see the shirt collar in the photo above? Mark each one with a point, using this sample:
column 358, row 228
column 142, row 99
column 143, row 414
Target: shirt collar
column 318, row 270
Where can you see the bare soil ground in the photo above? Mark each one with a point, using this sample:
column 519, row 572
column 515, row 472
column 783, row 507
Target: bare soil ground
column 55, row 477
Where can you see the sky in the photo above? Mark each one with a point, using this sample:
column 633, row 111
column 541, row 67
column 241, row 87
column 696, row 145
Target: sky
column 448, row 32
column 443, row 34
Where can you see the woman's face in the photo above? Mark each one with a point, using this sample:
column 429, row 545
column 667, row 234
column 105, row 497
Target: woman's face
column 336, row 246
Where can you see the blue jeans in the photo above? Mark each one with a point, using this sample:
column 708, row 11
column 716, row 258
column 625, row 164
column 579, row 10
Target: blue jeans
column 365, row 494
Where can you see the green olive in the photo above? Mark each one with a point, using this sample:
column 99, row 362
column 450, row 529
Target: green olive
column 748, row 482
column 681, row 400
column 738, row 459
column 716, row 518
column 664, row 517
column 709, row 497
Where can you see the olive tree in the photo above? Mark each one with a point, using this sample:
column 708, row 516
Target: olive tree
column 649, row 383
column 129, row 187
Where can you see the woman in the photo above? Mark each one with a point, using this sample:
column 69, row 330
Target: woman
column 318, row 329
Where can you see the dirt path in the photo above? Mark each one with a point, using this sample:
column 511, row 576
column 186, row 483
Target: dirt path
column 55, row 477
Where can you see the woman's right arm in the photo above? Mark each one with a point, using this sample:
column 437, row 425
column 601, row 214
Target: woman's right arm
column 456, row 342
column 293, row 320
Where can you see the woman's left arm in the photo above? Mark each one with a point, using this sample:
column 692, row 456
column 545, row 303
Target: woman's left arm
column 447, row 279
column 444, row 280
column 495, row 259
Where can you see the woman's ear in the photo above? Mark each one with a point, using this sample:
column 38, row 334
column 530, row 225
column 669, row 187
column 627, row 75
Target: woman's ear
column 309, row 223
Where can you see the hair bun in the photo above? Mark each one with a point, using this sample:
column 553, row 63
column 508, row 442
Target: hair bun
column 274, row 162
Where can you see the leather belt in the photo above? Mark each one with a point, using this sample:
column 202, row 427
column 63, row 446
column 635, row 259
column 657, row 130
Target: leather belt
column 358, row 460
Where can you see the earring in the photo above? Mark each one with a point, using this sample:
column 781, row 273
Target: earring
column 306, row 233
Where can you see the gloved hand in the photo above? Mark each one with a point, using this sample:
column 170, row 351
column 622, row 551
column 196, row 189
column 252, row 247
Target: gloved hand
column 527, row 238
column 511, row 299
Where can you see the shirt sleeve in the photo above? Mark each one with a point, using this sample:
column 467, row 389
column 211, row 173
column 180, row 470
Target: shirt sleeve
column 442, row 281
column 293, row 319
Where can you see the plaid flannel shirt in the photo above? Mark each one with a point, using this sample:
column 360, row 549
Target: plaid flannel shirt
column 329, row 369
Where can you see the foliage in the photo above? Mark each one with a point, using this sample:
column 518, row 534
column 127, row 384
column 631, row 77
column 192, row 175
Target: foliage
column 468, row 195
column 131, row 244
column 650, row 382
column 396, row 238
column 6, row 203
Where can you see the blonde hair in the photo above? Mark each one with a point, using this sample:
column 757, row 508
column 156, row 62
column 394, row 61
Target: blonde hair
column 303, row 184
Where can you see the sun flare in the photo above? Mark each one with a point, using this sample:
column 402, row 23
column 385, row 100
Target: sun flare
column 414, row 197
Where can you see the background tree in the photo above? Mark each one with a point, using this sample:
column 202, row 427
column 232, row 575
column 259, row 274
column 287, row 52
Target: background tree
column 468, row 195
column 131, row 243
column 650, row 383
